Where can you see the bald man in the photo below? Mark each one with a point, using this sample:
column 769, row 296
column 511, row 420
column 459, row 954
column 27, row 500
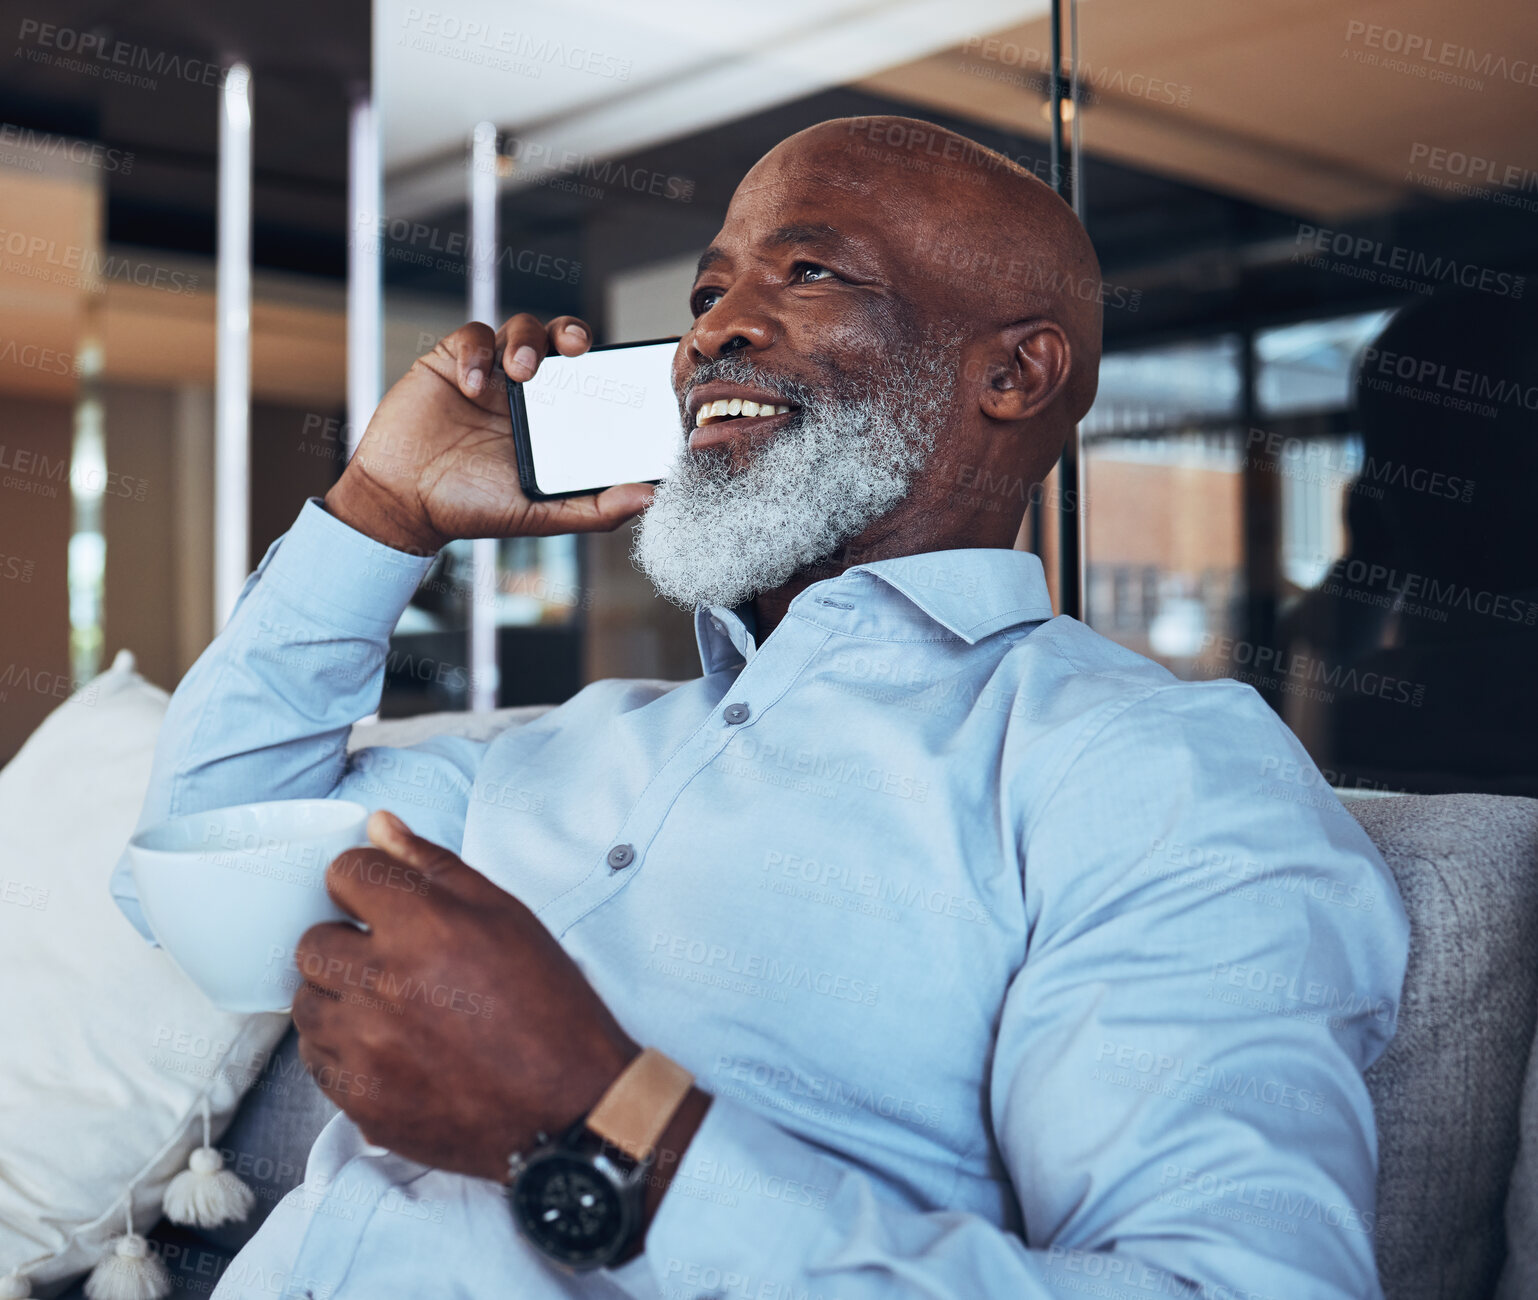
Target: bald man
column 926, row 944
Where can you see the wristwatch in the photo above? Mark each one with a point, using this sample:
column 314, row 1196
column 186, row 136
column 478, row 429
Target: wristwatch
column 578, row 1199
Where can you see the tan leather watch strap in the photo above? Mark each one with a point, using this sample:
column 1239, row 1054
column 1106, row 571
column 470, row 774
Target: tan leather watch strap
column 634, row 1113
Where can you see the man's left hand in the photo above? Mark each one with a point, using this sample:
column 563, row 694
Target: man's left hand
column 456, row 1027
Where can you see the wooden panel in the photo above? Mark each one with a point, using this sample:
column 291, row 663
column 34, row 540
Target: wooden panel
column 35, row 513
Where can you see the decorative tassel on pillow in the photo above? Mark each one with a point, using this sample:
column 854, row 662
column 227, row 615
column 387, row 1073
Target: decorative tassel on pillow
column 206, row 1194
column 15, row 1286
column 128, row 1271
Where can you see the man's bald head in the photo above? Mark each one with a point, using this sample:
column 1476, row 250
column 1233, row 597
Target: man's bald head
column 988, row 243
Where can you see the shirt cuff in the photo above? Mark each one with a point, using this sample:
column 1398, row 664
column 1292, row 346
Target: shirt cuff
column 332, row 573
column 749, row 1199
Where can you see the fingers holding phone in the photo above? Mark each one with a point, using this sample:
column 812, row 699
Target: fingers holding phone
column 524, row 342
column 438, row 459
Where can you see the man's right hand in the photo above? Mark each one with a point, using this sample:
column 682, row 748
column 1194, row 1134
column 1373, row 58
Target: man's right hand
column 437, row 462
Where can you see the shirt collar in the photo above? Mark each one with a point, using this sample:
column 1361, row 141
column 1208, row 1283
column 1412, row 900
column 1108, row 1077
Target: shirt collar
column 971, row 593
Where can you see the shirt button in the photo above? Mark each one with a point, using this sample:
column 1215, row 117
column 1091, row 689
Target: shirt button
column 621, row 856
column 735, row 713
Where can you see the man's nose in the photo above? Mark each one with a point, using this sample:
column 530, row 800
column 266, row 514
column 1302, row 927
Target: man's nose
column 731, row 327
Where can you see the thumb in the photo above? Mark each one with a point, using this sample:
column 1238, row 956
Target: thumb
column 390, row 833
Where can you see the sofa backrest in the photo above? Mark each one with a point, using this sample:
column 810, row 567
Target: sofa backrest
column 1447, row 1092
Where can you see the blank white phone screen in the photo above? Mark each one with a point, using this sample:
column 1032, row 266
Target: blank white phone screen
column 603, row 418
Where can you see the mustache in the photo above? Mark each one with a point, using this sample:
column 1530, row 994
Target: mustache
column 739, row 370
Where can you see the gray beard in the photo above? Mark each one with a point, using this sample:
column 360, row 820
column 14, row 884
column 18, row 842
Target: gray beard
column 711, row 537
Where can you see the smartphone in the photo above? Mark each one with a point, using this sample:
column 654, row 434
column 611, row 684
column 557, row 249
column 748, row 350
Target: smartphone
column 583, row 424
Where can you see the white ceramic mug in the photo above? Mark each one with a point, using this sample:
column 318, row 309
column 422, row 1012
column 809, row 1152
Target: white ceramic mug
column 229, row 892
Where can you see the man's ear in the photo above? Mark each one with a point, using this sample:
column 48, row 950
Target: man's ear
column 1025, row 367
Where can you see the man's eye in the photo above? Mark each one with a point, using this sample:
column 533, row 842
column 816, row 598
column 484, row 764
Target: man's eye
column 704, row 300
column 810, row 272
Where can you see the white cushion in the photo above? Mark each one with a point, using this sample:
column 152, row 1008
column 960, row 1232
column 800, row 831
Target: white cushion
column 108, row 1048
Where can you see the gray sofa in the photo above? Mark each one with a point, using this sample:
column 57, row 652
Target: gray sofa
column 1457, row 1214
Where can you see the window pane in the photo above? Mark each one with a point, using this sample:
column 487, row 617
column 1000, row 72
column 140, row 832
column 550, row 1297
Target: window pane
column 1308, row 367
column 1157, row 387
column 1165, row 561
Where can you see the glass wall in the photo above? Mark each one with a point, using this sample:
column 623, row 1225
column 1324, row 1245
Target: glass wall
column 1320, row 487
column 1305, row 466
column 1310, row 460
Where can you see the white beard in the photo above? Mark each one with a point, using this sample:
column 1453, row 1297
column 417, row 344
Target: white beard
column 711, row 537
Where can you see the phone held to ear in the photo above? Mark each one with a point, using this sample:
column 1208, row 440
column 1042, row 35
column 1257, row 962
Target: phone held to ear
column 583, row 424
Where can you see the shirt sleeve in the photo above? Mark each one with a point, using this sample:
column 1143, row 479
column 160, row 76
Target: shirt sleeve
column 1176, row 1087
column 266, row 710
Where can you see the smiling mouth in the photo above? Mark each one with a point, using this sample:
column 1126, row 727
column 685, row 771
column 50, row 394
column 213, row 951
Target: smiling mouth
column 734, row 408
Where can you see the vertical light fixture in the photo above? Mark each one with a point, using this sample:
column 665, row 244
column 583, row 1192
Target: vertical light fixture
column 87, row 558
column 365, row 285
column 482, row 267
column 232, row 377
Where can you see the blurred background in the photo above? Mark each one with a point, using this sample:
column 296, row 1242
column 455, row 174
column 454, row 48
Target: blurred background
column 224, row 230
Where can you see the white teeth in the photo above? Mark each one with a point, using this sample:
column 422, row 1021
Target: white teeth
column 725, row 406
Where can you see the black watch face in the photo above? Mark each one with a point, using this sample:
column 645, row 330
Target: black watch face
column 569, row 1209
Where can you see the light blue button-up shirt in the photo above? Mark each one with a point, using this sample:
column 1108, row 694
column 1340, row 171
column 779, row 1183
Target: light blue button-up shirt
column 1016, row 966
